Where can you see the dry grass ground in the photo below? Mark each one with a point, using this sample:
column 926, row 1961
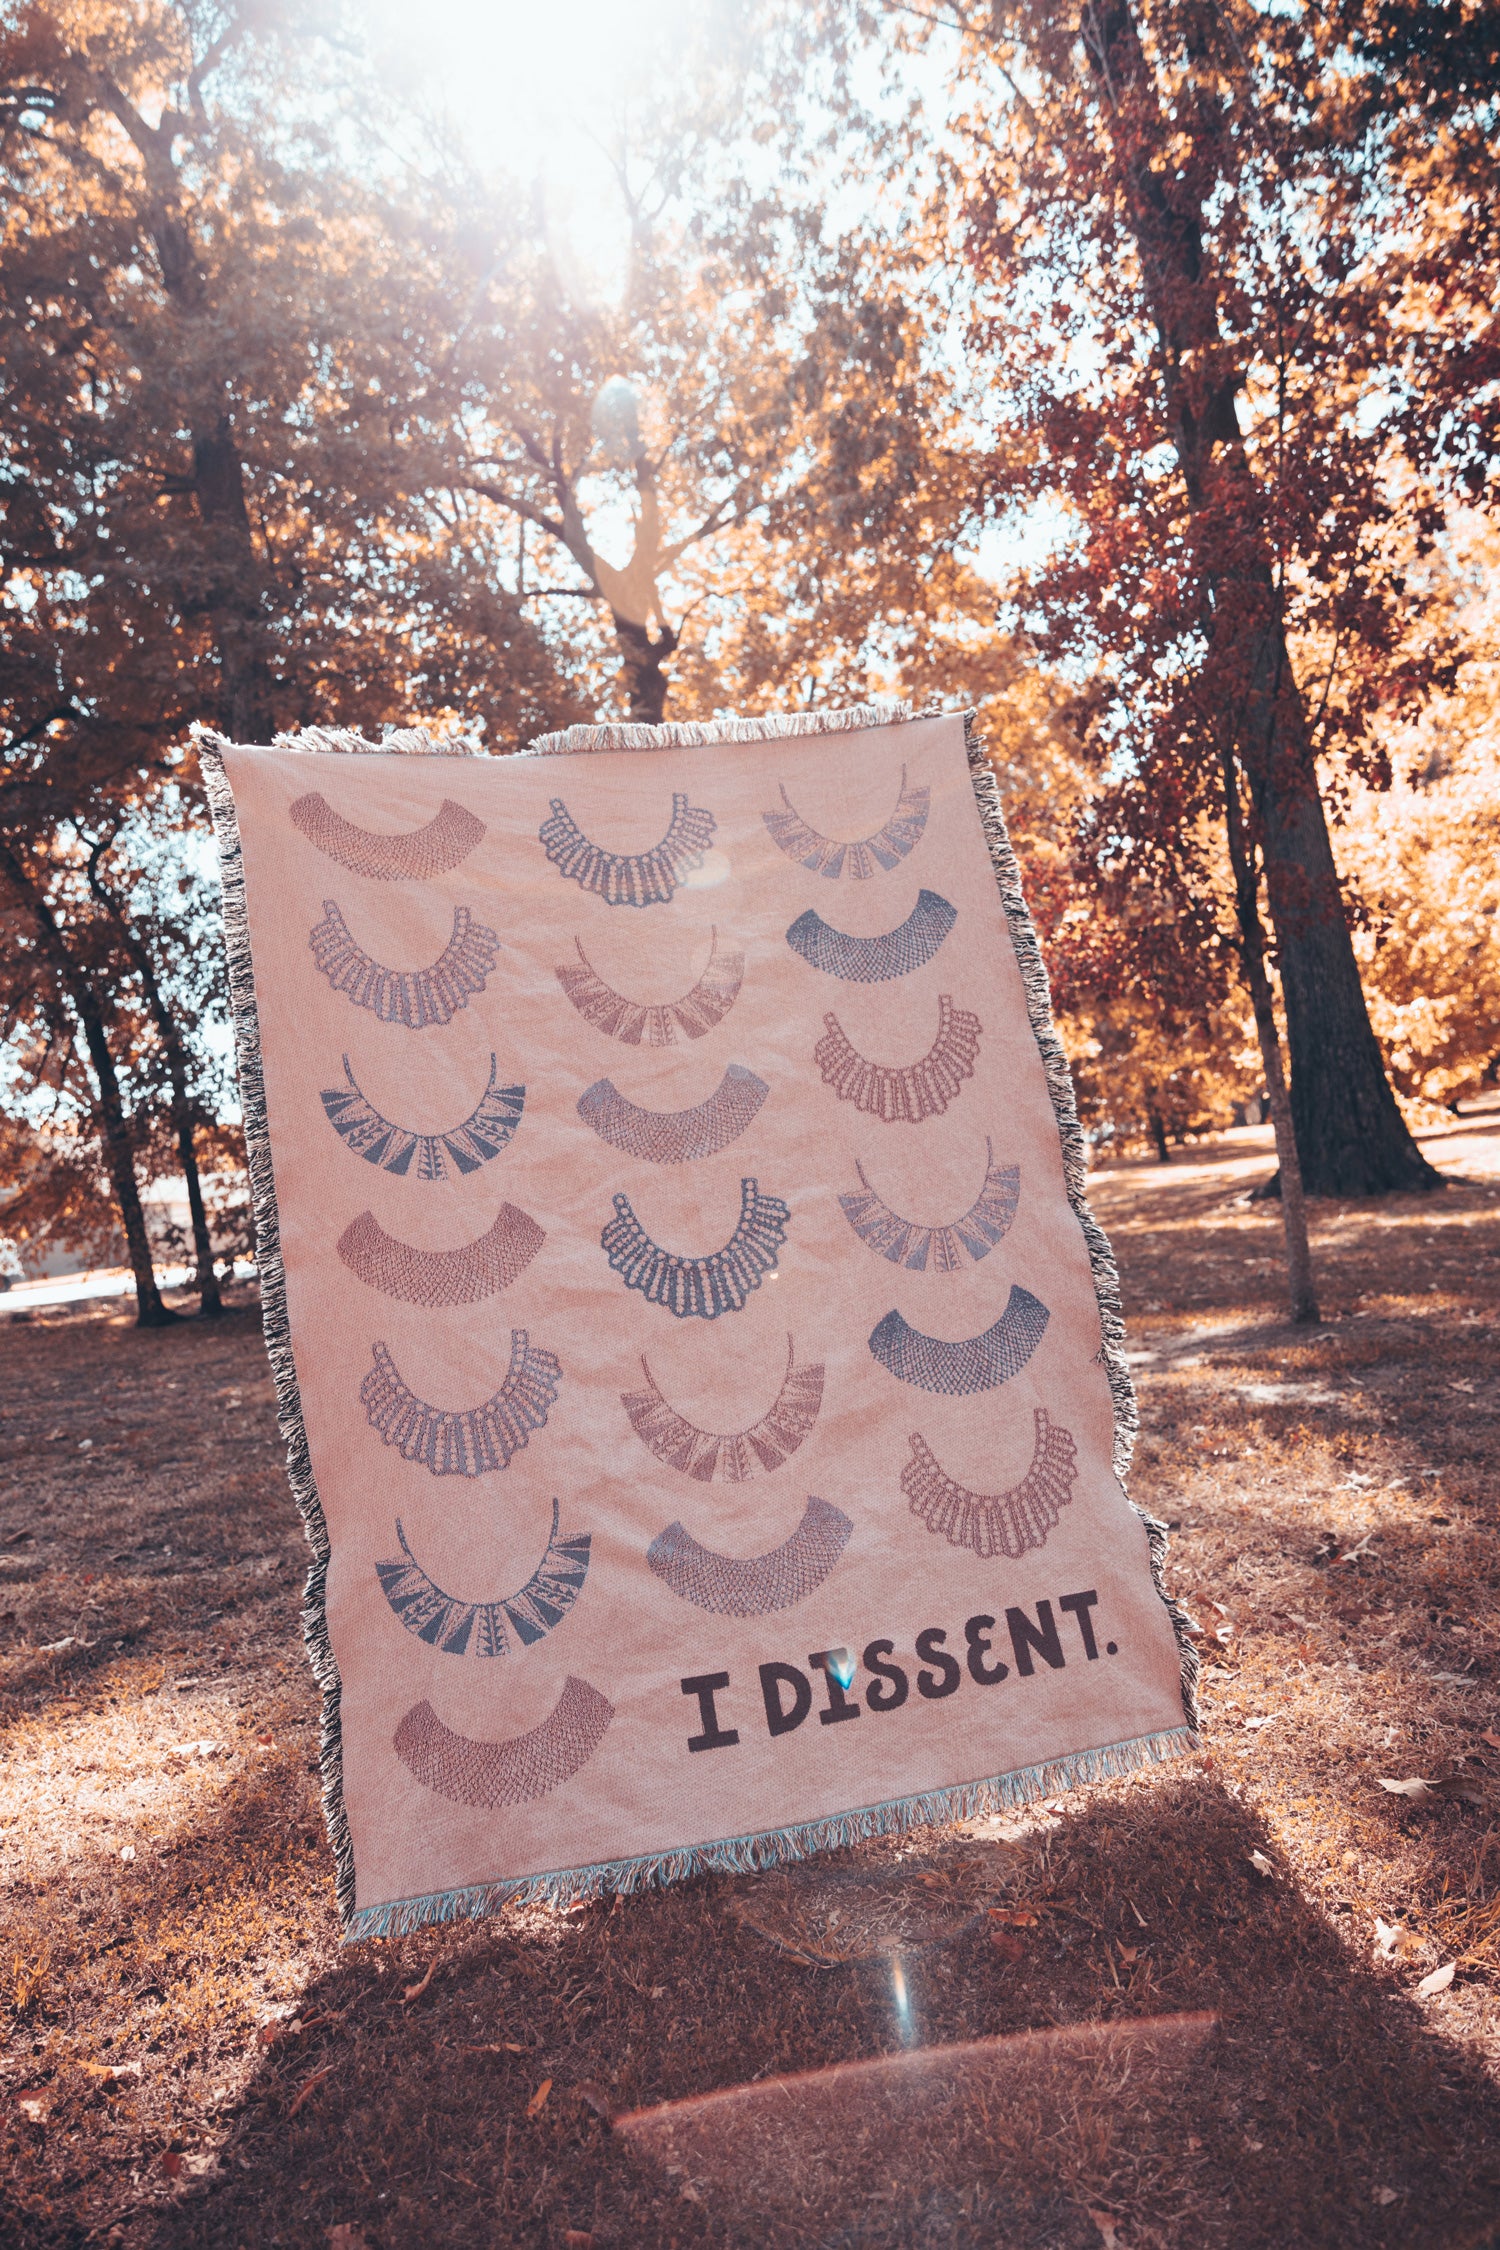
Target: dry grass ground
column 190, row 2059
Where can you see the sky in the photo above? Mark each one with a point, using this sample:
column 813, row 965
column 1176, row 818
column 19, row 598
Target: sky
column 531, row 90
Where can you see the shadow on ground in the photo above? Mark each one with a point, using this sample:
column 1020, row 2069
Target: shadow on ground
column 418, row 2119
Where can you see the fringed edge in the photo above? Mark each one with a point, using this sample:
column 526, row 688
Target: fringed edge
column 402, row 742
column 272, row 1275
column 749, row 1855
column 696, row 734
column 1075, row 1173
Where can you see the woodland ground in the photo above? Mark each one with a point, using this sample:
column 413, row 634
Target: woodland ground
column 190, row 2059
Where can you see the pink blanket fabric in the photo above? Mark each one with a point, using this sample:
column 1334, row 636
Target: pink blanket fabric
column 701, row 1374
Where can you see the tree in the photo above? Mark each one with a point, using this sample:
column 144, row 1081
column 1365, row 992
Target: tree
column 1427, row 854
column 207, row 509
column 1199, row 273
column 174, row 1026
column 60, row 991
column 740, row 458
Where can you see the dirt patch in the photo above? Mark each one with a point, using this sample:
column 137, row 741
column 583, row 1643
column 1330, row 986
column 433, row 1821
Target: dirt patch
column 191, row 2059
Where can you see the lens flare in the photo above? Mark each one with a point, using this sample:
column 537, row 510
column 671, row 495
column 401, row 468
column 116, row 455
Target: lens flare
column 900, row 2000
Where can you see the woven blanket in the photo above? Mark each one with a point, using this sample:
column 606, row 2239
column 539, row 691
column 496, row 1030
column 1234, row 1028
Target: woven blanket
column 701, row 1372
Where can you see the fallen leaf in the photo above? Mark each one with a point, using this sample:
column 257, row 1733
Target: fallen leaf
column 1492, row 1739
column 1107, row 2231
column 596, row 2098
column 1466, row 1789
column 1261, row 1864
column 308, row 2086
column 415, row 1991
column 1007, row 1945
column 538, row 2101
column 33, row 2107
column 1128, row 1953
column 1269, row 1722
column 171, row 2163
column 113, row 2071
column 1385, row 2195
column 1387, row 1938
column 127, row 1853
column 1416, row 1789
column 1439, row 1981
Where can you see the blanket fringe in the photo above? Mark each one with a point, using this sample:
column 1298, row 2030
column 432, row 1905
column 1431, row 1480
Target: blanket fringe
column 697, row 734
column 774, row 1847
column 1075, row 1172
column 405, row 742
column 274, row 1317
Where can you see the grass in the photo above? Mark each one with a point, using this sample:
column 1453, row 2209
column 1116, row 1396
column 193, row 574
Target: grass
column 190, row 2058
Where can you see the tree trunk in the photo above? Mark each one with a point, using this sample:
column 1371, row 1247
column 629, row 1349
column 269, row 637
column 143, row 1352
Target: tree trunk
column 231, row 589
column 1351, row 1136
column 205, row 1281
column 1158, row 1134
column 109, row 1107
column 646, row 682
column 234, row 596
column 1303, row 1303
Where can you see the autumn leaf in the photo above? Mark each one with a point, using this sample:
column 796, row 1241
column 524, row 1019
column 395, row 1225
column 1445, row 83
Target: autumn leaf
column 538, row 2101
column 415, row 1991
column 309, row 2086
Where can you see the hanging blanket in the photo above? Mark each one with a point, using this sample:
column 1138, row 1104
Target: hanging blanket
column 701, row 1372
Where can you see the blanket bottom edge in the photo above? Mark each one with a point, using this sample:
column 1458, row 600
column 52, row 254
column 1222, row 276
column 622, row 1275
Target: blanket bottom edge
column 745, row 1855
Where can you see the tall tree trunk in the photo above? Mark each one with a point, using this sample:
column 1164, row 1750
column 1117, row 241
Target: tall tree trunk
column 234, row 597
column 231, row 592
column 1303, row 1303
column 1158, row 1133
column 1350, row 1133
column 205, row 1281
column 109, row 1107
column 645, row 656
